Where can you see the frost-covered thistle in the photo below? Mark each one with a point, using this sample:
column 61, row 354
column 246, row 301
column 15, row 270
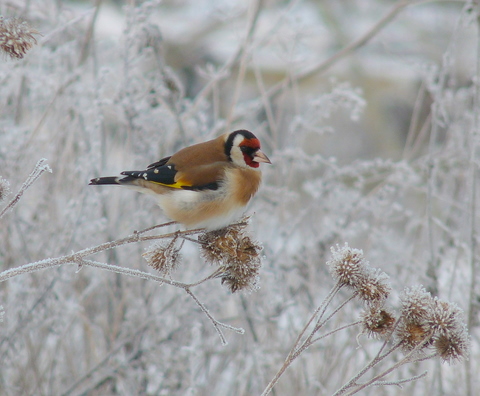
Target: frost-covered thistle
column 374, row 288
column 377, row 322
column 432, row 321
column 451, row 337
column 163, row 258
column 413, row 328
column 453, row 346
column 444, row 317
column 4, row 189
column 416, row 304
column 349, row 267
column 237, row 253
column 16, row 37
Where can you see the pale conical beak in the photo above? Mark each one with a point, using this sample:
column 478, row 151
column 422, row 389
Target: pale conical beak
column 261, row 157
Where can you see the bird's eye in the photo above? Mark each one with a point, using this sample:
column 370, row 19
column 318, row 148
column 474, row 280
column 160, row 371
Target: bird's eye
column 247, row 150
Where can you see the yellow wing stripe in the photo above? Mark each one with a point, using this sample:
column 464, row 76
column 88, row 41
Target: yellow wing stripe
column 177, row 184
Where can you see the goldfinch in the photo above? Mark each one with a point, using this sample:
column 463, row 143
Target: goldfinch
column 207, row 185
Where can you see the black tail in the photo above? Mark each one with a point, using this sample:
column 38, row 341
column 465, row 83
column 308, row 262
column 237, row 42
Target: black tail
column 104, row 180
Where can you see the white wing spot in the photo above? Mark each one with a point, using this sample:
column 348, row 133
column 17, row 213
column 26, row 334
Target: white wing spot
column 145, row 176
column 169, row 166
column 155, row 171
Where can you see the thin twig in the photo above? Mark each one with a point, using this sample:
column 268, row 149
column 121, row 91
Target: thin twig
column 347, row 50
column 292, row 355
column 318, row 326
column 406, row 359
column 216, row 323
column 78, row 256
column 39, row 168
column 402, row 381
column 333, row 332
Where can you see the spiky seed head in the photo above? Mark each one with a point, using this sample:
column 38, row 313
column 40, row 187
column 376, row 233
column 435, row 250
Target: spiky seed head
column 416, row 304
column 163, row 258
column 347, row 265
column 374, row 288
column 412, row 334
column 453, row 346
column 237, row 253
column 444, row 317
column 377, row 322
column 16, row 37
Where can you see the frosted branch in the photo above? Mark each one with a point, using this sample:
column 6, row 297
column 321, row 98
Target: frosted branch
column 40, row 167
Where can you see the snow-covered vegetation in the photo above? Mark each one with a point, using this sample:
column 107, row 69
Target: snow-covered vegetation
column 357, row 271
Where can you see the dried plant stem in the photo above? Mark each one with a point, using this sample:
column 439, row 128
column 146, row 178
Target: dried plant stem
column 96, row 367
column 374, row 362
column 473, row 172
column 402, row 381
column 323, row 66
column 378, row 358
column 78, row 256
column 89, row 34
column 296, row 349
column 39, row 168
column 216, row 323
column 242, row 59
column 317, row 327
column 335, row 331
column 234, row 60
column 79, row 259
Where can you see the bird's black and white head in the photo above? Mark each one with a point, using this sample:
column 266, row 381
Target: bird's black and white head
column 243, row 149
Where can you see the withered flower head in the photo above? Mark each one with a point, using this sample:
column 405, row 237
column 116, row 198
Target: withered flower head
column 412, row 334
column 164, row 258
column 434, row 322
column 416, row 304
column 453, row 346
column 349, row 267
column 374, row 288
column 444, row 317
column 237, row 253
column 377, row 322
column 16, row 37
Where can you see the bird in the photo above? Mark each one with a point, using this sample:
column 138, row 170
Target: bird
column 206, row 185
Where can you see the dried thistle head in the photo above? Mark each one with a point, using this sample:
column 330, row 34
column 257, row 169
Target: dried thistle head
column 452, row 342
column 454, row 346
column 349, row 267
column 416, row 304
column 412, row 334
column 413, row 329
column 163, row 258
column 377, row 322
column 4, row 189
column 444, row 317
column 238, row 254
column 374, row 288
column 16, row 37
